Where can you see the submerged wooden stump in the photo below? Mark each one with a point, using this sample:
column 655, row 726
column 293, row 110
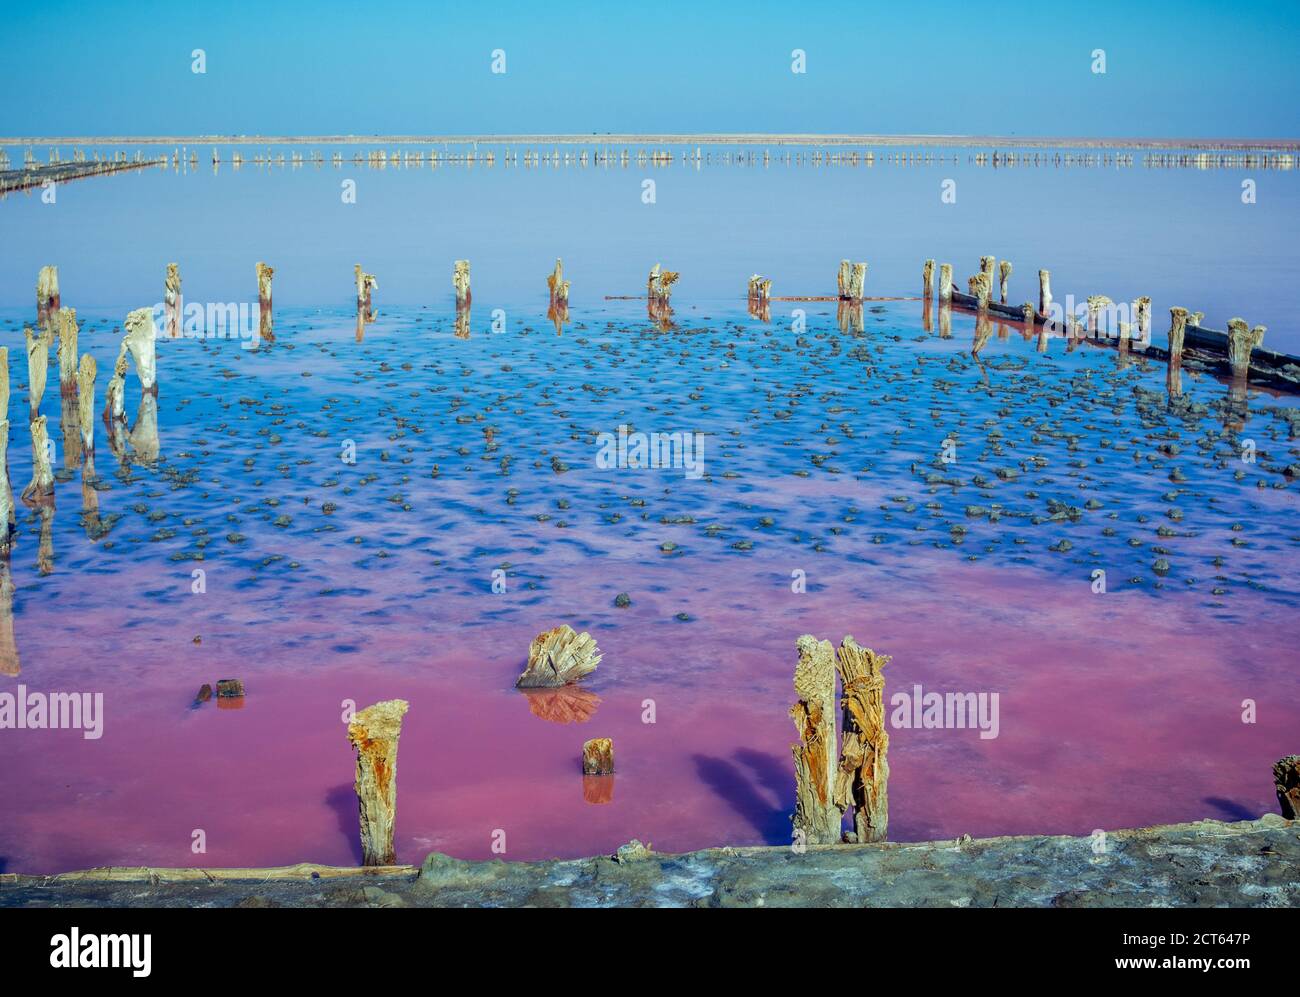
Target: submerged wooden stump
column 1177, row 331
column 852, row 280
column 816, row 818
column 141, row 340
column 598, row 756
column 659, row 285
column 47, row 294
column 927, row 279
column 265, row 320
column 65, row 324
column 38, row 366
column 1286, row 779
column 1242, row 340
column 366, row 283
column 862, row 777
column 374, row 732
column 980, row 288
column 558, row 657
column 41, row 488
column 557, row 285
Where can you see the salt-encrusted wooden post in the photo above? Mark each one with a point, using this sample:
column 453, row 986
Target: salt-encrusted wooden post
column 460, row 282
column 760, row 289
column 945, row 283
column 172, row 301
column 559, row 657
column 266, row 323
column 862, row 777
column 927, row 279
column 1004, row 275
column 374, row 732
column 1027, row 316
column 1286, row 780
column 1177, row 328
column 141, row 339
column 42, row 483
column 47, row 294
column 816, row 818
column 979, row 287
column 366, row 283
column 659, row 285
column 38, row 366
column 1241, row 341
column 10, row 663
column 1142, row 318
column 1045, row 293
column 65, row 320
column 557, row 286
column 852, row 280
column 1096, row 302
column 598, row 756
column 86, row 405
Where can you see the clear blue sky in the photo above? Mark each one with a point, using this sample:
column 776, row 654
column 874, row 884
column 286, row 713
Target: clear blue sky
column 1191, row 68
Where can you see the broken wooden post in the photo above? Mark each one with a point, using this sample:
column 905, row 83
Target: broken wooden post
column 760, row 290
column 42, row 483
column 266, row 323
column 115, row 393
column 10, row 664
column 47, row 294
column 1027, row 316
column 557, row 285
column 374, row 733
column 1286, row 779
column 945, row 283
column 1241, row 341
column 366, row 283
column 816, row 819
column 1096, row 302
column 1004, row 275
column 1177, row 329
column 172, row 301
column 927, row 279
column 659, row 286
column 852, row 280
column 65, row 321
column 141, row 339
column 460, row 281
column 1142, row 319
column 988, row 267
column 598, row 756
column 980, row 288
column 1045, row 293
column 38, row 365
column 862, row 777
column 557, row 657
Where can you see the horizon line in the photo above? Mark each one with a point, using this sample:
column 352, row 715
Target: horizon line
column 677, row 138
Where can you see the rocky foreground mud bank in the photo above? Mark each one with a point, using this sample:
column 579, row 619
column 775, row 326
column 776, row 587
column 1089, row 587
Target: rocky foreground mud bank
column 1207, row 863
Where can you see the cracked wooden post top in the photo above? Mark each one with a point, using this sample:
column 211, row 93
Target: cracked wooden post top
column 374, row 733
column 598, row 756
column 816, row 819
column 558, row 657
column 862, row 776
column 1242, row 340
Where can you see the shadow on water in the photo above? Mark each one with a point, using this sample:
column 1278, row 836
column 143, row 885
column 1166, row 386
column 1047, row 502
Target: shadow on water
column 1231, row 809
column 343, row 801
column 751, row 794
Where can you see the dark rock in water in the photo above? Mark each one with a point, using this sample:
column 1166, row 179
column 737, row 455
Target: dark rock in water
column 229, row 689
column 204, row 694
column 622, row 600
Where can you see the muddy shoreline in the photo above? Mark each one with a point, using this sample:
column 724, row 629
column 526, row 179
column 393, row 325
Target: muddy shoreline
column 1202, row 864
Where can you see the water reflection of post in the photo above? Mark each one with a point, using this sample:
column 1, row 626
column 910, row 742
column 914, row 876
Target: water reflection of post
column 759, row 298
column 45, row 551
column 144, row 434
column 983, row 332
column 115, row 407
column 361, row 325
column 850, row 317
column 8, row 517
column 945, row 318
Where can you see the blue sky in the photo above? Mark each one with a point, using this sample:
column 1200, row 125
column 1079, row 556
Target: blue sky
column 1183, row 69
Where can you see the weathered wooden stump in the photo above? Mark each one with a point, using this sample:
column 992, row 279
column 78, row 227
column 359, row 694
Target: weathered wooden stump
column 65, row 323
column 41, row 488
column 8, row 515
column 1004, row 275
column 862, row 776
column 852, row 280
column 979, row 288
column 1096, row 302
column 816, row 818
column 989, row 267
column 47, row 294
column 265, row 317
column 557, row 286
column 558, row 657
column 659, row 285
column 945, row 283
column 366, row 283
column 1045, row 293
column 1177, row 331
column 598, row 756
column 460, row 283
column 1242, row 340
column 38, row 366
column 1286, row 779
column 115, row 393
column 172, row 301
column 374, row 733
column 141, row 340
column 927, row 279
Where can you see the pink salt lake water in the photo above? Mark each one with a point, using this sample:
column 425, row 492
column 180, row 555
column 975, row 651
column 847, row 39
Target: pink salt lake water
column 1115, row 710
